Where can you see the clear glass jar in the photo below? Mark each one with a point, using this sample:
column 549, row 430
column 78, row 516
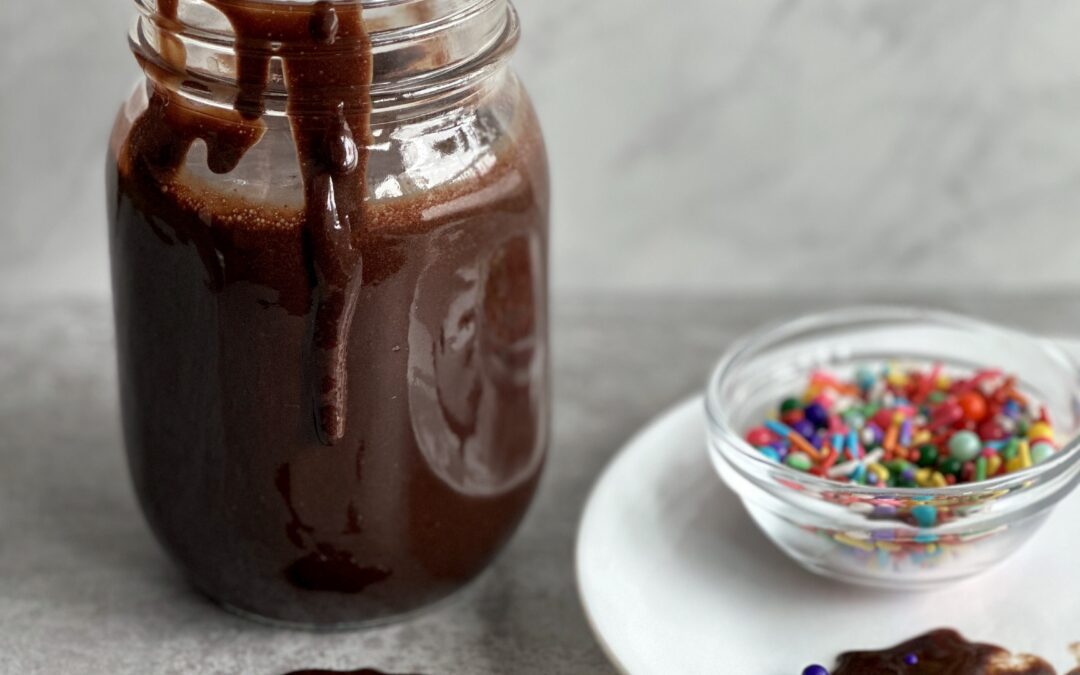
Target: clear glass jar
column 867, row 535
column 329, row 251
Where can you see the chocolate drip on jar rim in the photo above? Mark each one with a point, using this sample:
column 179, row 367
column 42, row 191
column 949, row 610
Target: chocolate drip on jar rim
column 327, row 61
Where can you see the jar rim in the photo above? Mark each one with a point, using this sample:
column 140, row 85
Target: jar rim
column 755, row 343
column 478, row 36
column 383, row 37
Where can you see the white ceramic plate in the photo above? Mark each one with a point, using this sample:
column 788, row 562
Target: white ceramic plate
column 675, row 578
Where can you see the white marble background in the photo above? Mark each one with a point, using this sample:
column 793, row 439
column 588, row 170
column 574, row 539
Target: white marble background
column 697, row 145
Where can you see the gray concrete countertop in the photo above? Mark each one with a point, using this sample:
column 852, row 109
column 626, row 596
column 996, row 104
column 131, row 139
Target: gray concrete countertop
column 85, row 589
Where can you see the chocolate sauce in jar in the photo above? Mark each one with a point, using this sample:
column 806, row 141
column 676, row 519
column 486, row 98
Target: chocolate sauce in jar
column 335, row 411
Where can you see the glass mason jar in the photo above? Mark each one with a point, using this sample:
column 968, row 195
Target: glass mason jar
column 328, row 228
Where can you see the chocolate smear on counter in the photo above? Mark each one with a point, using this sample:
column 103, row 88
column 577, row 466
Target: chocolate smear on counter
column 941, row 652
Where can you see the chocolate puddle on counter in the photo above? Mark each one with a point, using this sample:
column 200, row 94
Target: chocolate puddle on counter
column 942, row 652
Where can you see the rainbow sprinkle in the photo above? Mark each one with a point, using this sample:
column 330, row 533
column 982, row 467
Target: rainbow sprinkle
column 907, row 427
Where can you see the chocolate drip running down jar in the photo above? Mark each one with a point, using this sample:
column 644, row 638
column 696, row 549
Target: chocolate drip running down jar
column 328, row 228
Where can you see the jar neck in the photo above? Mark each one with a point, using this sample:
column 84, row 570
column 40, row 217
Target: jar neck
column 426, row 55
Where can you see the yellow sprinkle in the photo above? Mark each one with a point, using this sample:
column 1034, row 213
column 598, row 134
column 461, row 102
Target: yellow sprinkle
column 897, row 378
column 889, row 546
column 922, row 477
column 1041, row 430
column 931, row 548
column 921, row 438
column 856, row 543
column 944, row 382
column 938, row 480
column 882, row 472
column 1025, row 454
column 1013, row 465
column 993, row 464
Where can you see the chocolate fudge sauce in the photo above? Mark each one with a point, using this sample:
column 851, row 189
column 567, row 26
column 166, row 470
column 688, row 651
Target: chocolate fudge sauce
column 334, row 412
column 941, row 652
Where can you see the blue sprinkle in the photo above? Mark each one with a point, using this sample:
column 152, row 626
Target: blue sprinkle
column 925, row 515
column 852, row 443
column 779, row 428
column 865, row 378
column 926, row 538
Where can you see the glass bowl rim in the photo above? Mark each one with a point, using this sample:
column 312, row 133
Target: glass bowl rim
column 767, row 335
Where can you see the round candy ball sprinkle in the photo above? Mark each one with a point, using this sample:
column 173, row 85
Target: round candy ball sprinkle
column 800, row 461
column 815, row 669
column 816, row 414
column 911, row 427
column 964, row 445
column 973, row 404
column 789, row 405
column 1041, row 451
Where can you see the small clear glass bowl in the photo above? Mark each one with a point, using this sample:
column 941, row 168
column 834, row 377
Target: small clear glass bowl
column 867, row 535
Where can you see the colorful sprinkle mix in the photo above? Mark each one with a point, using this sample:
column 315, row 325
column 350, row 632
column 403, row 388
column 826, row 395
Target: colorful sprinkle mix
column 908, row 427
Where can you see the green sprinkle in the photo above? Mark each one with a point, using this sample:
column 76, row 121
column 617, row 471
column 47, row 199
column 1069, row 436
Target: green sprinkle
column 950, row 466
column 928, row 455
column 980, row 468
column 799, row 461
column 789, row 405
